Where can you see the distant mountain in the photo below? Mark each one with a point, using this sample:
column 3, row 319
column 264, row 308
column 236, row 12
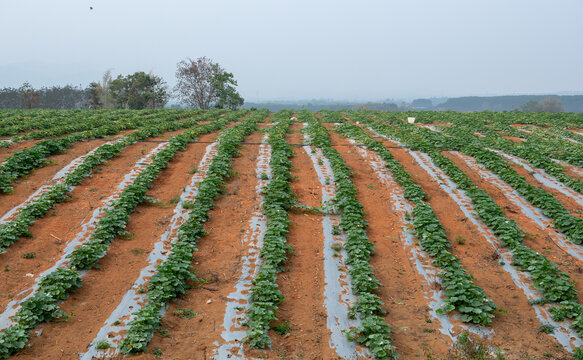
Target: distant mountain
column 571, row 103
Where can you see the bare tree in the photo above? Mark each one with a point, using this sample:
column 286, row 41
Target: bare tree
column 195, row 82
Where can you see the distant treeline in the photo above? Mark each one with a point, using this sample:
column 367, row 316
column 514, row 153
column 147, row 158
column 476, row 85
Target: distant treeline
column 56, row 97
column 325, row 106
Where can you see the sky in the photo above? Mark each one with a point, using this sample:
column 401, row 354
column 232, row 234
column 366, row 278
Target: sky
column 300, row 49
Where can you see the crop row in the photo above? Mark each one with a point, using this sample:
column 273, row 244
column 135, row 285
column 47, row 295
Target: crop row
column 530, row 150
column 278, row 199
column 570, row 225
column 554, row 284
column 24, row 161
column 461, row 294
column 48, row 123
column 13, row 230
column 171, row 275
column 43, row 307
column 373, row 331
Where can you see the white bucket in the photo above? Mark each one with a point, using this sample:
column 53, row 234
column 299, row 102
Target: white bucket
column 411, row 120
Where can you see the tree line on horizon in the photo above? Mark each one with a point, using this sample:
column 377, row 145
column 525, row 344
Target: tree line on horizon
column 201, row 83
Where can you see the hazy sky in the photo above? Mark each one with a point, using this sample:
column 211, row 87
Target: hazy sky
column 280, row 49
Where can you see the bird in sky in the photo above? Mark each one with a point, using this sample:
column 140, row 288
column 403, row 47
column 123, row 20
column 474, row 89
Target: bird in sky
column 91, row 8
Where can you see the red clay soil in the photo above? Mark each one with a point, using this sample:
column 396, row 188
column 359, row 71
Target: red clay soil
column 571, row 205
column 516, row 328
column 218, row 260
column 51, row 233
column 43, row 176
column 540, row 242
column 302, row 284
column 402, row 289
column 103, row 288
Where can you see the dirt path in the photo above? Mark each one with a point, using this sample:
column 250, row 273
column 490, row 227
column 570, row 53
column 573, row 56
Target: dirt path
column 303, row 282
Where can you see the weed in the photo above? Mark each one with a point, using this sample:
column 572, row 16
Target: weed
column 336, row 247
column 428, row 330
column 157, row 353
column 185, row 313
column 164, row 332
column 336, row 230
column 264, row 176
column 282, row 328
column 30, row 255
column 138, row 251
column 460, row 240
column 547, row 329
column 320, row 161
column 174, row 200
column 102, row 344
column 116, row 322
column 371, row 187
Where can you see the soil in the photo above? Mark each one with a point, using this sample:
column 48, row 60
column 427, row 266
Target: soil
column 218, row 261
column 516, row 326
column 303, row 282
column 103, row 288
column 537, row 239
column 402, row 289
column 24, row 187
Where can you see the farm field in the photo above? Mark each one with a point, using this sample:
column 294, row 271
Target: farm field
column 190, row 234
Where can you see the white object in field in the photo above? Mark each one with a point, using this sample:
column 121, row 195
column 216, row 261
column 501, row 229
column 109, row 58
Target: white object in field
column 411, row 120
column 293, row 118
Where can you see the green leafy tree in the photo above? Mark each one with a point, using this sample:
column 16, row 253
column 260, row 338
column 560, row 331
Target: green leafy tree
column 138, row 91
column 227, row 96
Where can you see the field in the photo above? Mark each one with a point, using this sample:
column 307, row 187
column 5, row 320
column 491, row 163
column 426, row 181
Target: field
column 190, row 234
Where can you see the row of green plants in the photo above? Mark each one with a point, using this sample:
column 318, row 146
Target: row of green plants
column 555, row 285
column 43, row 305
column 461, row 294
column 25, row 161
column 265, row 295
column 55, row 122
column 173, row 274
column 563, row 221
column 87, row 123
column 547, row 144
column 373, row 331
column 529, row 150
column 13, row 230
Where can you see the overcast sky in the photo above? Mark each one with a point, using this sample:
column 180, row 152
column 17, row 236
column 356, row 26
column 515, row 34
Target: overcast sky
column 300, row 49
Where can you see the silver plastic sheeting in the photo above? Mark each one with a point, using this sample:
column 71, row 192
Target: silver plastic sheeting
column 87, row 228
